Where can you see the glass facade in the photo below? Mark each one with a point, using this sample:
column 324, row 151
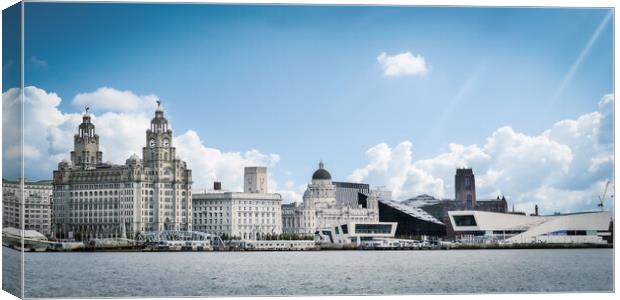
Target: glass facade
column 373, row 228
column 466, row 220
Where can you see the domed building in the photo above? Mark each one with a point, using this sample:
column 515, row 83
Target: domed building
column 320, row 208
column 321, row 191
column 321, row 174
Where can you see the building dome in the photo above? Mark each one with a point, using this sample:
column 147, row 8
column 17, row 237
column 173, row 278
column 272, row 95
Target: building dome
column 321, row 173
column 133, row 159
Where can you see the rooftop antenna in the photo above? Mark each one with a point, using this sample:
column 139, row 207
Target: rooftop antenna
column 601, row 199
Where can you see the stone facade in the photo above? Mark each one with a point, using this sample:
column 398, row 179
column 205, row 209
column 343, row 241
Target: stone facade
column 37, row 211
column 255, row 180
column 252, row 215
column 321, row 210
column 99, row 200
column 248, row 216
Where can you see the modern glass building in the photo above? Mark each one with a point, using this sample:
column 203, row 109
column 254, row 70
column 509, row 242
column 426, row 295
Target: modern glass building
column 490, row 227
column 412, row 221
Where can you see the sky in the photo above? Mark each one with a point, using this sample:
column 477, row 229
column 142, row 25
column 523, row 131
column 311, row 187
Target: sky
column 391, row 96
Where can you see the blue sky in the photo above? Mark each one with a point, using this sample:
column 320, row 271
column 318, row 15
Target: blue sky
column 304, row 82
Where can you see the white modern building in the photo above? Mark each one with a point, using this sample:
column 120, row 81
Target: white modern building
column 93, row 199
column 35, row 209
column 488, row 227
column 320, row 208
column 356, row 234
column 249, row 215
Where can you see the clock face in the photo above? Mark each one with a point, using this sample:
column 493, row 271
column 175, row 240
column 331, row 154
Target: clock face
column 166, row 143
column 152, row 143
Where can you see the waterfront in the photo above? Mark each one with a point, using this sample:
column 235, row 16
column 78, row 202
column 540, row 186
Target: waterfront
column 314, row 273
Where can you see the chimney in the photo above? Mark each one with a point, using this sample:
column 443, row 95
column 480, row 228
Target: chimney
column 217, row 186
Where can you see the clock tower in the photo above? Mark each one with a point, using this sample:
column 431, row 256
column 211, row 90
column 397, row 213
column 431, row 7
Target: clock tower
column 158, row 151
column 86, row 152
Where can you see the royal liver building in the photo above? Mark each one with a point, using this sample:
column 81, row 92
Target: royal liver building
column 98, row 200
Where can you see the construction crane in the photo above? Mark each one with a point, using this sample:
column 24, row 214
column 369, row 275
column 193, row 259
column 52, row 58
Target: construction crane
column 601, row 198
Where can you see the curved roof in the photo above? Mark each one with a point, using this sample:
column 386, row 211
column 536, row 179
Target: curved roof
column 415, row 212
column 27, row 234
column 530, row 226
column 321, row 173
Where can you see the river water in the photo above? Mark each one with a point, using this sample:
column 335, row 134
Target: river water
column 314, row 273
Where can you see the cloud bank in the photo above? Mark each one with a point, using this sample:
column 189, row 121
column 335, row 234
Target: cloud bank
column 214, row 165
column 121, row 125
column 563, row 168
column 109, row 99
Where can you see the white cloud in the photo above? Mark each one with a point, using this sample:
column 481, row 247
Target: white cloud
column 393, row 167
column 402, row 64
column 42, row 130
column 112, row 100
column 121, row 126
column 48, row 132
column 37, row 62
column 563, row 168
column 290, row 192
column 214, row 165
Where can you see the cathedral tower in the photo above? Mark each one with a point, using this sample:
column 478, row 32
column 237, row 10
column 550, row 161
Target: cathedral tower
column 465, row 188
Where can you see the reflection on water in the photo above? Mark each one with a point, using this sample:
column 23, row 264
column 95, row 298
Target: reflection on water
column 316, row 273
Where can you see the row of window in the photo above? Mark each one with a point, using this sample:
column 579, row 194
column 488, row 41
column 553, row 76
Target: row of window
column 94, row 214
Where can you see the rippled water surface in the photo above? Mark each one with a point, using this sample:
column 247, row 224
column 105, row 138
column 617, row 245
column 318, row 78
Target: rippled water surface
column 315, row 273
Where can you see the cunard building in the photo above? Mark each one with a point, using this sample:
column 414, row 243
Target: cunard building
column 98, row 200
